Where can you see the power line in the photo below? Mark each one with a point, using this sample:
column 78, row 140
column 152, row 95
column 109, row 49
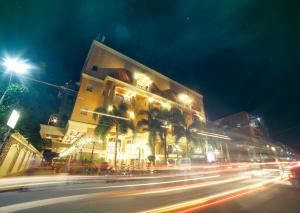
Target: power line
column 50, row 84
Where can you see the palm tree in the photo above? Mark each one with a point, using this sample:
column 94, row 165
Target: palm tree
column 106, row 123
column 153, row 125
column 183, row 129
column 164, row 117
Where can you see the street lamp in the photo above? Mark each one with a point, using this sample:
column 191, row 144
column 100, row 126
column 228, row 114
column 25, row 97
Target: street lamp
column 15, row 65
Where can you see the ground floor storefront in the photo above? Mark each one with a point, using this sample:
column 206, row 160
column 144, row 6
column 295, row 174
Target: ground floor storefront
column 133, row 151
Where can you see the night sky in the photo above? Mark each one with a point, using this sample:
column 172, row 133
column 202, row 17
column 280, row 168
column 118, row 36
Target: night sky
column 240, row 54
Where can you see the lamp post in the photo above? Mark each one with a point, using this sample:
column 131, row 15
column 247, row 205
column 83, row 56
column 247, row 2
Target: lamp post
column 14, row 65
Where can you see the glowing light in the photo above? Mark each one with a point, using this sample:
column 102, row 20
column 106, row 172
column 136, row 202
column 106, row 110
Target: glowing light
column 109, row 108
column 131, row 114
column 133, row 94
column 198, row 150
column 54, row 120
column 273, row 148
column 142, row 79
column 178, row 148
column 150, row 99
column 184, row 98
column 13, row 119
column 166, row 105
column 16, row 65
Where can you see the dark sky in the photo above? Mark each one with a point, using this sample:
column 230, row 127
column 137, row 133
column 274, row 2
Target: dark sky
column 240, row 54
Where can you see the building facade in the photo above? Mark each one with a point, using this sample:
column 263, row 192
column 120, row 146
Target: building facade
column 249, row 135
column 245, row 124
column 108, row 79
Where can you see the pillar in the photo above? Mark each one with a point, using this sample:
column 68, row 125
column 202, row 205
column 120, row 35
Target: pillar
column 18, row 162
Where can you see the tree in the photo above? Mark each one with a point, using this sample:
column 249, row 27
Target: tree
column 34, row 103
column 106, row 123
column 183, row 129
column 164, row 117
column 153, row 124
column 16, row 94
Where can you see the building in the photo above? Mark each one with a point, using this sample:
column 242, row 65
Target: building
column 108, row 79
column 249, row 135
column 245, row 124
column 53, row 133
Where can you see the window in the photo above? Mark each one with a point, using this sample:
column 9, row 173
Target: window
column 89, row 88
column 142, row 81
column 83, row 111
column 95, row 68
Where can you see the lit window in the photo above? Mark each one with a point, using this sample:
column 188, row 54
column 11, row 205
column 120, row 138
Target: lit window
column 184, row 98
column 109, row 108
column 89, row 88
column 142, row 81
column 131, row 114
column 150, row 99
column 166, row 105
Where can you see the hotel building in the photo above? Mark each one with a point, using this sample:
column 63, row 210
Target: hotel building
column 108, row 79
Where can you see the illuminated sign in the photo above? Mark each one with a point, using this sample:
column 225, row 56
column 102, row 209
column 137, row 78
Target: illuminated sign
column 13, row 119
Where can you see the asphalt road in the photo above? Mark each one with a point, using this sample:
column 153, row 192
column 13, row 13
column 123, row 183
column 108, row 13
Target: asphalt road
column 186, row 192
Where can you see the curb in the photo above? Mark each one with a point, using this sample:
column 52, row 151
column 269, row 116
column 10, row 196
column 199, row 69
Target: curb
column 13, row 189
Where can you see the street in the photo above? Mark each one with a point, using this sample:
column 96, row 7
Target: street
column 243, row 191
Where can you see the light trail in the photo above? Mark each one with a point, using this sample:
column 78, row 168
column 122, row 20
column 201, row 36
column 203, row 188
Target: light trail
column 74, row 198
column 191, row 186
column 228, row 198
column 205, row 170
column 189, row 204
column 41, row 203
column 150, row 184
column 43, row 180
column 58, row 200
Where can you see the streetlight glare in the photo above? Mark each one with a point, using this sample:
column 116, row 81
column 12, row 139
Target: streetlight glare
column 16, row 64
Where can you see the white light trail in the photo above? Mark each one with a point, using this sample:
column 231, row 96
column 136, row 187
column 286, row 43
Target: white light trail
column 192, row 186
column 177, row 206
column 151, row 184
